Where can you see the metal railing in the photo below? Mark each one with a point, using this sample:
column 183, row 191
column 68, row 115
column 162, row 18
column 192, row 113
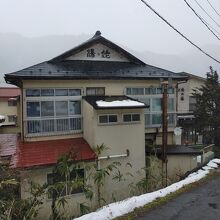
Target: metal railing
column 53, row 126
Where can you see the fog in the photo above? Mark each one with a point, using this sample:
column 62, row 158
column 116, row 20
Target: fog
column 126, row 22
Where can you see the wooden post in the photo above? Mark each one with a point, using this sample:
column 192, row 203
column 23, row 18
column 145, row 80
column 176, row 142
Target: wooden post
column 164, row 131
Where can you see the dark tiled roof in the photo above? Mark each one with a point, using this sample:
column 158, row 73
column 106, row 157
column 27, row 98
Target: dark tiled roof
column 182, row 150
column 59, row 68
column 91, row 70
column 43, row 153
column 177, row 150
column 93, row 99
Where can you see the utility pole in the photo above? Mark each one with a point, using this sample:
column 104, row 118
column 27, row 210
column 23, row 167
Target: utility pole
column 164, row 131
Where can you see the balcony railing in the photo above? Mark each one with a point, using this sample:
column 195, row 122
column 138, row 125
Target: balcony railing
column 53, row 126
column 153, row 120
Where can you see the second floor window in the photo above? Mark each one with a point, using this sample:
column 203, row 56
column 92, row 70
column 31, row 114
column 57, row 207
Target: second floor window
column 53, row 108
column 53, row 111
column 95, row 91
column 108, row 119
column 131, row 118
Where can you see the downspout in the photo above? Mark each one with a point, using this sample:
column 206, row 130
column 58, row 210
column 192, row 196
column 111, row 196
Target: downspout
column 110, row 157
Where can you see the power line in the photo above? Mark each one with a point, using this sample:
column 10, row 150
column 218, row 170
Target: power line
column 179, row 32
column 207, row 13
column 203, row 21
column 213, row 8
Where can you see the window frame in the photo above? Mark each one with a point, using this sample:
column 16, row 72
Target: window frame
column 95, row 88
column 108, row 123
column 74, row 124
column 12, row 103
column 14, row 117
column 149, row 95
column 66, row 189
column 132, row 121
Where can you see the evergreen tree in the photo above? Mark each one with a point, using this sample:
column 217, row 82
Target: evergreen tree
column 207, row 111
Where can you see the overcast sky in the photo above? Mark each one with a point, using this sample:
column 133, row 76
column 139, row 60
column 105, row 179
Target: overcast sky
column 127, row 22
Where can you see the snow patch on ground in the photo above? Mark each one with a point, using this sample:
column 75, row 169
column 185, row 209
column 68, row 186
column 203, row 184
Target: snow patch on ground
column 116, row 209
column 122, row 103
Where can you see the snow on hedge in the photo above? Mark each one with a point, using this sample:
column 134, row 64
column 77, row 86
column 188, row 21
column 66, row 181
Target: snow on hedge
column 2, row 117
column 116, row 209
column 119, row 103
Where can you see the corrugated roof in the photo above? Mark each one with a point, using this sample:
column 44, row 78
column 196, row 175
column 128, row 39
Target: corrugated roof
column 43, row 153
column 9, row 92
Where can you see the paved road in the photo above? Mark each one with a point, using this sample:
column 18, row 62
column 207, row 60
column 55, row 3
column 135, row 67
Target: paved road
column 203, row 203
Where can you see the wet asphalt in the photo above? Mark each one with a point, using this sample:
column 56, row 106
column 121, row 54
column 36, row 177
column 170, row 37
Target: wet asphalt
column 202, row 203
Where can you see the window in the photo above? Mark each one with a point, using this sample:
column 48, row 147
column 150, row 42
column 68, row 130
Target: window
column 99, row 91
column 151, row 90
column 131, row 117
column 75, row 107
column 148, row 91
column 135, row 91
column 156, row 119
column 74, row 92
column 47, row 92
column 33, row 109
column 12, row 118
column 47, row 108
column 12, row 102
column 61, row 92
column 73, row 186
column 108, row 119
column 170, row 104
column 61, row 108
column 32, row 92
column 192, row 103
column 52, row 113
column 156, row 104
column 170, row 90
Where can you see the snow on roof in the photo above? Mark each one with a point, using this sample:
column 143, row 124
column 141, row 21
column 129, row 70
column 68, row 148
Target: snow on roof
column 119, row 103
column 116, row 209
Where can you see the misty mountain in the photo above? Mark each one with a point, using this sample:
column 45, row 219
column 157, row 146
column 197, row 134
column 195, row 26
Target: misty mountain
column 17, row 52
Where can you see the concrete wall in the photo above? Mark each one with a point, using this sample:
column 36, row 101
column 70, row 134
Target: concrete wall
column 88, row 123
column 185, row 90
column 10, row 127
column 118, row 138
column 72, row 208
column 180, row 164
column 7, row 110
column 112, row 87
